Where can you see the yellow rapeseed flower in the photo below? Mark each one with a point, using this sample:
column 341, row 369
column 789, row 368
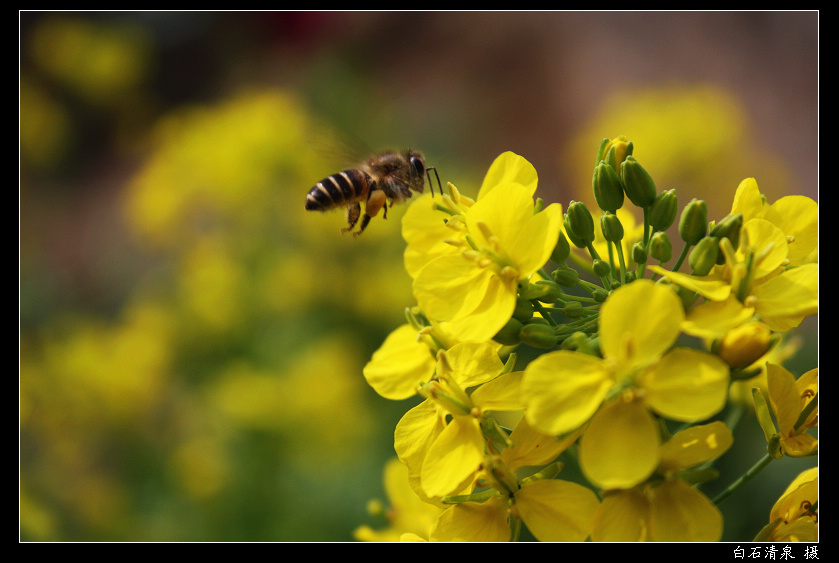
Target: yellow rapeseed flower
column 495, row 243
column 407, row 515
column 668, row 508
column 638, row 373
column 552, row 509
column 440, row 440
column 775, row 271
column 795, row 515
column 788, row 397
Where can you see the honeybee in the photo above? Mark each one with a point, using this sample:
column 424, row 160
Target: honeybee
column 388, row 177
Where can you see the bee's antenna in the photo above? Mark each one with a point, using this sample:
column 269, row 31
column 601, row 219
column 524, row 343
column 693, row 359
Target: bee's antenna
column 430, row 185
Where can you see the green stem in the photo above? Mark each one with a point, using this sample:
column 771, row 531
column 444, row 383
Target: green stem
column 537, row 306
column 619, row 250
column 745, row 478
column 681, row 259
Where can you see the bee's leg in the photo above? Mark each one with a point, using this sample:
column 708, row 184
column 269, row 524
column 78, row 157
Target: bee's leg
column 364, row 221
column 353, row 212
column 384, row 208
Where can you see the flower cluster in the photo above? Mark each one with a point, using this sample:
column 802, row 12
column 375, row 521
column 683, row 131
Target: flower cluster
column 544, row 337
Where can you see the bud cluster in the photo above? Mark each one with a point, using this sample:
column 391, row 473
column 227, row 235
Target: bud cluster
column 587, row 321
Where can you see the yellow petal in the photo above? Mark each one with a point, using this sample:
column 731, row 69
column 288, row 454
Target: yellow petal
column 620, row 447
column 712, row 319
column 475, row 302
column 622, row 517
column 425, row 231
column 453, row 457
column 501, row 394
column 783, row 301
column 808, row 386
column 555, row 510
column 639, row 322
column 505, row 213
column 450, row 287
column 801, row 445
column 710, row 287
column 563, row 389
column 399, row 365
column 695, row 446
column 535, row 241
column 473, row 363
column 783, row 396
column 680, row 513
column 802, row 493
column 531, row 447
column 764, row 238
column 509, row 168
column 415, row 433
column 686, row 385
column 747, row 200
column 474, row 522
column 798, row 217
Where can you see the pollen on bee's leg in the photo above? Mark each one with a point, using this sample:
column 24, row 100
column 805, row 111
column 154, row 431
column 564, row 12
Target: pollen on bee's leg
column 376, row 201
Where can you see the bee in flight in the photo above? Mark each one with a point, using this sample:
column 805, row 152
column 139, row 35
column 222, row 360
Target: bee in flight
column 384, row 178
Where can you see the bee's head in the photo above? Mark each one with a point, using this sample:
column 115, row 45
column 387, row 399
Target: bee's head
column 418, row 167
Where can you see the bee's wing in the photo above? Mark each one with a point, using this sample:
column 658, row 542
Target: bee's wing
column 343, row 147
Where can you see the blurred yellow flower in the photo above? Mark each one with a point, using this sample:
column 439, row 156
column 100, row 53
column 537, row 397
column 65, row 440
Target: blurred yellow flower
column 408, row 517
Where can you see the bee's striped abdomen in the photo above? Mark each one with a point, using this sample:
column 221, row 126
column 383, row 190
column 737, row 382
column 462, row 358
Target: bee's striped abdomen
column 339, row 189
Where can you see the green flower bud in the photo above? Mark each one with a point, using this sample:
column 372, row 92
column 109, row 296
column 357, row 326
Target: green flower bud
column 580, row 222
column 538, row 336
column 573, row 310
column 608, row 191
column 639, row 253
column 600, row 295
column 601, row 150
column 611, row 227
column 549, row 290
column 566, row 277
column 544, row 290
column 614, row 151
column 575, row 240
column 538, row 321
column 583, row 343
column 524, row 310
column 562, row 250
column 663, row 211
column 693, row 224
column 601, row 268
column 728, row 228
column 704, row 256
column 509, row 335
column 660, row 247
column 637, row 182
column 630, row 276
